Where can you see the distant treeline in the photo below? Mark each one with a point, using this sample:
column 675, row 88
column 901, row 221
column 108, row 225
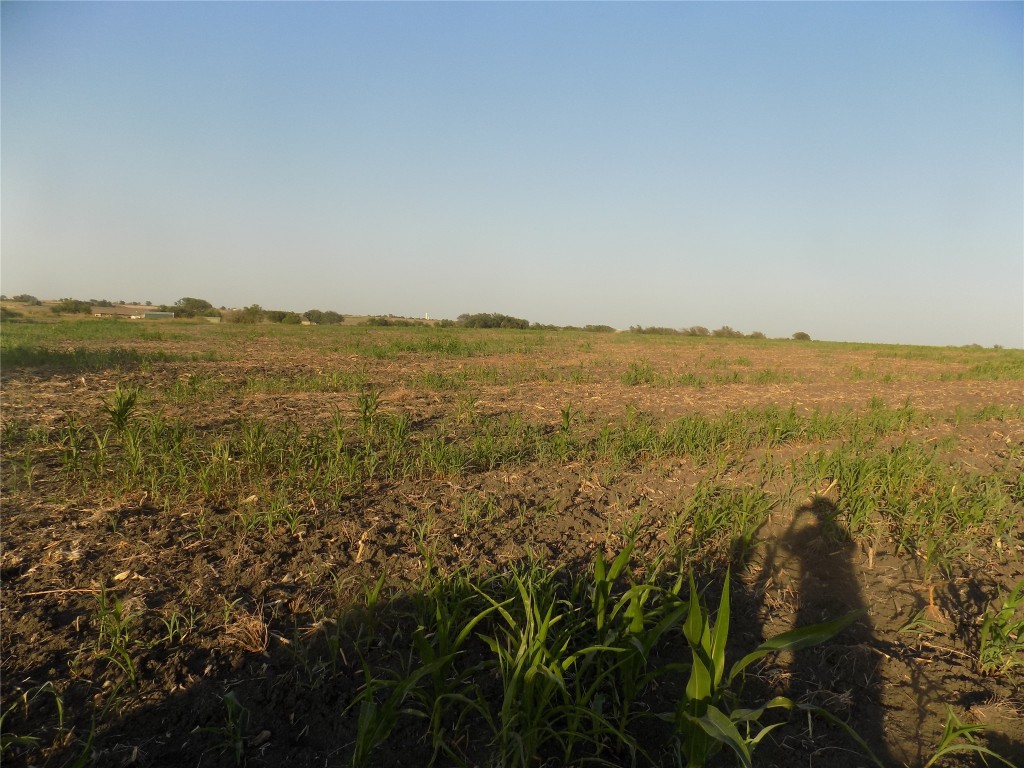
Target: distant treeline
column 724, row 332
column 193, row 307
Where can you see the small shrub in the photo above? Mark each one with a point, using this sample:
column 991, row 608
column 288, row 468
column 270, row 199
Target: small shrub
column 191, row 307
column 492, row 320
column 653, row 330
column 251, row 315
column 72, row 307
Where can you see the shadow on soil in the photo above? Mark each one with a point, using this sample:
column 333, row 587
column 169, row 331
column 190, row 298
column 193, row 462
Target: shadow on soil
column 812, row 563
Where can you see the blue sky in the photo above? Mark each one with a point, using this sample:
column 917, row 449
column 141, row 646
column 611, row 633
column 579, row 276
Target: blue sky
column 854, row 170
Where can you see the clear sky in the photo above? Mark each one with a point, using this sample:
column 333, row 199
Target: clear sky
column 853, row 170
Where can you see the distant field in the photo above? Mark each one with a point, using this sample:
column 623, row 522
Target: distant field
column 302, row 545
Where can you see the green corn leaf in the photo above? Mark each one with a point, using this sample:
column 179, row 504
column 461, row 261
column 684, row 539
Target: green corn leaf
column 796, row 639
column 718, row 726
column 720, row 634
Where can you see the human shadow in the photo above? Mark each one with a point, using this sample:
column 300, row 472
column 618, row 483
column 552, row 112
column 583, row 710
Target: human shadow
column 811, row 564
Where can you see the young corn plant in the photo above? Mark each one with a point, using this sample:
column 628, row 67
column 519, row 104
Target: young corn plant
column 708, row 716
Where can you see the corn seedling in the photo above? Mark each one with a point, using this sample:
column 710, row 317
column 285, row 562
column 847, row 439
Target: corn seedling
column 708, row 716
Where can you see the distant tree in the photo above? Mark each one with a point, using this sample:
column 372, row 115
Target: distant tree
column 726, row 332
column 445, row 323
column 492, row 320
column 149, row 303
column 250, row 315
column 192, row 307
column 292, row 318
column 801, row 336
column 654, row 330
column 72, row 307
column 274, row 315
column 3, row 297
column 696, row 330
column 27, row 299
column 756, row 335
column 314, row 316
column 331, row 317
column 598, row 329
column 392, row 321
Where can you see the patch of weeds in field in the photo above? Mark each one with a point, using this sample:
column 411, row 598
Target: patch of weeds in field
column 856, row 373
column 121, row 405
column 639, row 372
column 531, row 646
column 13, row 432
column 440, row 457
column 729, row 377
column 230, row 737
column 179, row 625
column 988, row 413
column 578, row 375
column 906, row 495
column 958, row 737
column 1001, row 636
column 466, row 408
column 115, row 622
column 440, row 382
column 1008, row 367
column 478, row 507
column 770, row 376
column 71, row 441
column 41, row 703
column 81, row 359
column 367, row 405
column 329, row 381
column 715, row 518
column 447, row 615
column 279, row 511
